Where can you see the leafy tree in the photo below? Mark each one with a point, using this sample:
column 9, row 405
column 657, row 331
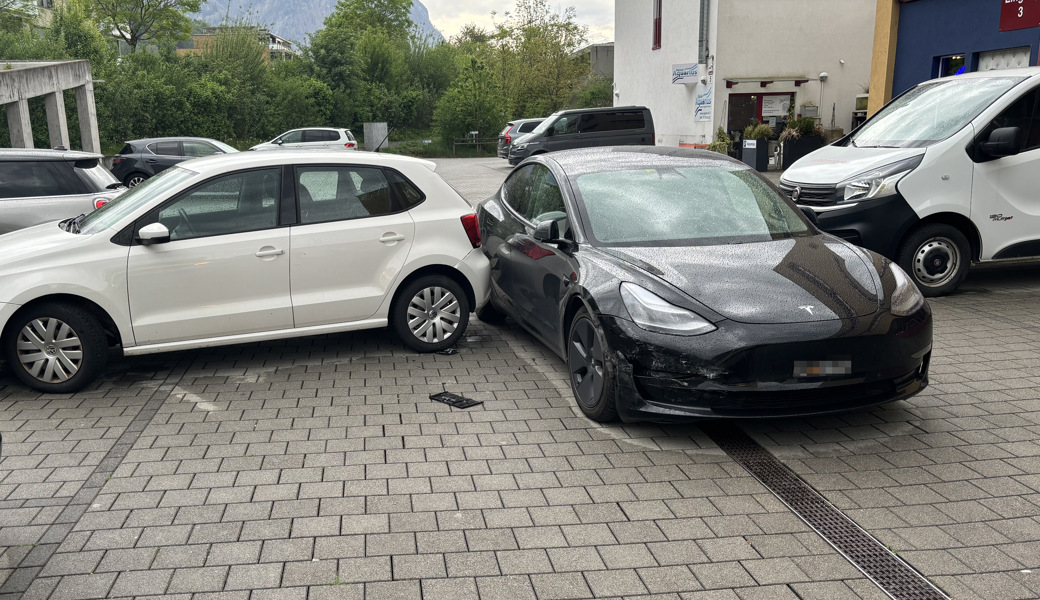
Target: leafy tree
column 391, row 16
column 593, row 92
column 73, row 29
column 237, row 59
column 473, row 103
column 15, row 14
column 157, row 21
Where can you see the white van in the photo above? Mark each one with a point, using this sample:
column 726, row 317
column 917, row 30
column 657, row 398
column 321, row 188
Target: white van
column 946, row 174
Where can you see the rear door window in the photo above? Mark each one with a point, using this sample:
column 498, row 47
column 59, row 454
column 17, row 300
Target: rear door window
column 337, row 193
column 594, row 122
column 166, row 148
column 320, row 135
column 31, row 179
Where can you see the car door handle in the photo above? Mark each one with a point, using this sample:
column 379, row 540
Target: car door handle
column 270, row 252
column 151, row 161
column 389, row 238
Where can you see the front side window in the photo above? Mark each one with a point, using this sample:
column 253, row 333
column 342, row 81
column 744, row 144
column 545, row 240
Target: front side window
column 679, row 204
column 234, row 203
column 337, row 193
column 566, row 124
column 293, row 137
column 930, row 112
column 1022, row 114
column 546, row 201
column 193, row 148
column 31, row 179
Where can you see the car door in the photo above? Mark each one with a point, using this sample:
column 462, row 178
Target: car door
column 292, row 140
column 225, row 270
column 531, row 275
column 163, row 156
column 565, row 133
column 350, row 244
column 1005, row 205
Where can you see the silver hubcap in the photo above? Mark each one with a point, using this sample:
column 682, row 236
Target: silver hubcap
column 134, row 181
column 937, row 262
column 49, row 350
column 433, row 314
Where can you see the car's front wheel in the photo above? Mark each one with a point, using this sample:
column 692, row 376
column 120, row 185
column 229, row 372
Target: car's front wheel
column 591, row 371
column 55, row 348
column 937, row 257
column 431, row 313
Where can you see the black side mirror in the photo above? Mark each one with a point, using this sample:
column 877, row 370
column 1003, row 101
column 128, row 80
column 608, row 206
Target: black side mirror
column 811, row 215
column 1005, row 141
column 547, row 231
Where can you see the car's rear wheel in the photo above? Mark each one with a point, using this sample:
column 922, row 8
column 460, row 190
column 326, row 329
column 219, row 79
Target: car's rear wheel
column 937, row 257
column 134, row 179
column 431, row 313
column 55, row 348
column 591, row 371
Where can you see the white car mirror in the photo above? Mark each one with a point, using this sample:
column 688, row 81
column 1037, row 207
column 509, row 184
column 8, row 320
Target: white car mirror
column 156, row 233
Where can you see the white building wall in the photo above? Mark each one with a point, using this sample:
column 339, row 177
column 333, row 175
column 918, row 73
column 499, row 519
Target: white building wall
column 747, row 39
column 643, row 76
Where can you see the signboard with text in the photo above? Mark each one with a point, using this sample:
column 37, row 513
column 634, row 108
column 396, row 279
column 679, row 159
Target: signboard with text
column 1019, row 14
column 687, row 73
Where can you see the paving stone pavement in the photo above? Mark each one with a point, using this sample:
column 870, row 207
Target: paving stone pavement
column 319, row 468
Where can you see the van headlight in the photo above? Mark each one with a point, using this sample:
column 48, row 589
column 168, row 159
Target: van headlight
column 654, row 313
column 906, row 298
column 520, row 146
column 877, row 183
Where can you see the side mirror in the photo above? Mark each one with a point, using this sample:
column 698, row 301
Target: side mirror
column 1005, row 141
column 547, row 231
column 278, row 142
column 155, row 233
column 811, row 215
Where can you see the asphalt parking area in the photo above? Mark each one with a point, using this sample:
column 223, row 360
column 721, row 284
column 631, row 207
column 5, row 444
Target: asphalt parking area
column 319, row 468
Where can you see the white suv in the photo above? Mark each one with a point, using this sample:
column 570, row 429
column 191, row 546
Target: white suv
column 241, row 248
column 312, row 138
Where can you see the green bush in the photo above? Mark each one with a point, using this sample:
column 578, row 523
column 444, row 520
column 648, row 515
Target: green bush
column 723, row 144
column 801, row 127
column 758, row 131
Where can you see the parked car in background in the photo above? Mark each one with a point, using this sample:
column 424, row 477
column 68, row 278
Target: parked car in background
column 37, row 186
column 586, row 128
column 312, row 138
column 680, row 284
column 141, row 159
column 241, row 248
column 943, row 176
column 513, row 130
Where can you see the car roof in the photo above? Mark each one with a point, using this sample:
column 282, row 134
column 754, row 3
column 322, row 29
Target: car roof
column 521, row 121
column 172, row 139
column 248, row 160
column 19, row 154
column 595, row 160
column 1019, row 72
column 599, row 109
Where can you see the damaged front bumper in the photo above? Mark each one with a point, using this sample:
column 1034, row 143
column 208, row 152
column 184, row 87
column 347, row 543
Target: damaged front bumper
column 753, row 370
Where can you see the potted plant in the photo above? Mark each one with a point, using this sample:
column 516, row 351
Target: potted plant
column 801, row 137
column 755, row 148
column 723, row 144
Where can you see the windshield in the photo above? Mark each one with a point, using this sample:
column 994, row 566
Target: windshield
column 930, row 112
column 114, row 211
column 545, row 125
column 716, row 203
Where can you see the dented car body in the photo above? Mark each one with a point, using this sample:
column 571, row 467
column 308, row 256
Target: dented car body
column 679, row 284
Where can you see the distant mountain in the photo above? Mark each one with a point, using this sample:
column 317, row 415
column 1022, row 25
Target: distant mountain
column 296, row 19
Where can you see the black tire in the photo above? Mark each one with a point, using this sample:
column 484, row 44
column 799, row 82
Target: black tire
column 134, row 179
column 55, row 348
column 425, row 333
column 936, row 257
column 489, row 313
column 590, row 368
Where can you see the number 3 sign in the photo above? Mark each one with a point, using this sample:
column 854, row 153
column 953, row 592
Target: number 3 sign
column 1019, row 14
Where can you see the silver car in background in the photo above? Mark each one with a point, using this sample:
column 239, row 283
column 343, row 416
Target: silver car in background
column 37, row 186
column 312, row 138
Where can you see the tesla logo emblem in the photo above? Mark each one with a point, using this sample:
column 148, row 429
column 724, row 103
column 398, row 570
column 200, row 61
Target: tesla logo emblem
column 796, row 194
column 807, row 309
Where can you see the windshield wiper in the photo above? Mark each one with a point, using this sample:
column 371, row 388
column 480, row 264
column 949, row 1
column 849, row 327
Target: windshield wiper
column 73, row 223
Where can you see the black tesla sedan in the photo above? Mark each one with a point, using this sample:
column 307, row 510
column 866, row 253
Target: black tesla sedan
column 681, row 284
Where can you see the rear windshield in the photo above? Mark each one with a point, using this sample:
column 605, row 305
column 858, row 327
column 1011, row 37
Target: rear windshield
column 715, row 203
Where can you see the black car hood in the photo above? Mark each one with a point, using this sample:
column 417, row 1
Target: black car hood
column 796, row 280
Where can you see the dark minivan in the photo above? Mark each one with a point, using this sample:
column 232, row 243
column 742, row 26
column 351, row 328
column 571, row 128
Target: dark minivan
column 586, row 128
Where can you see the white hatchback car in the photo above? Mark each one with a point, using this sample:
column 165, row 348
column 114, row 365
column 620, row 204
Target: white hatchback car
column 241, row 248
column 312, row 138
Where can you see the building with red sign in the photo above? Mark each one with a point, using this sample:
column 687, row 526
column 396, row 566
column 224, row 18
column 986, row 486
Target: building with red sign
column 918, row 40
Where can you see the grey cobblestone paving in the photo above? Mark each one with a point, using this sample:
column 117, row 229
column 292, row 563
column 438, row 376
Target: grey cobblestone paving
column 319, row 468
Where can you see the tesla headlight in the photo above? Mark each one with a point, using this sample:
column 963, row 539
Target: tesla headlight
column 879, row 182
column 653, row 313
column 906, row 298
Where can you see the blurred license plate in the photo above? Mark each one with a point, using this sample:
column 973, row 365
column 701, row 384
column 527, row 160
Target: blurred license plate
column 822, row 368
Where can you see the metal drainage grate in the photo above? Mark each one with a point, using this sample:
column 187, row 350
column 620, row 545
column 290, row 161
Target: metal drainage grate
column 896, row 578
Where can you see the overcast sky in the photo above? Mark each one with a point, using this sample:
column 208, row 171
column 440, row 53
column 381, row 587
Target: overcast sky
column 449, row 16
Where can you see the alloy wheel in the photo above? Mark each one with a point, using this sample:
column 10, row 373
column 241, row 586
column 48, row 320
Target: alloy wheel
column 433, row 314
column 936, row 262
column 49, row 350
column 585, row 361
column 135, row 180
